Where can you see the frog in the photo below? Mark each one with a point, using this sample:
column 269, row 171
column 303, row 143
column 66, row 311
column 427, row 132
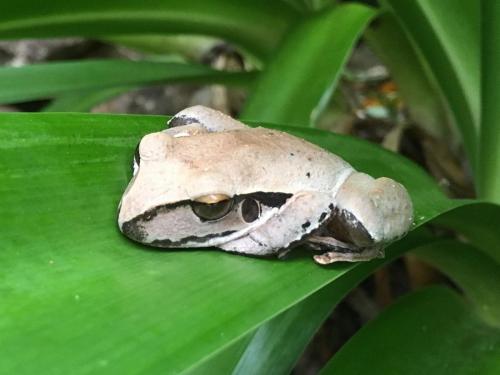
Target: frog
column 208, row 180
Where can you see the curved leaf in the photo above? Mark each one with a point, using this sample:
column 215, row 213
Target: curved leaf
column 417, row 87
column 78, row 297
column 190, row 47
column 476, row 273
column 479, row 224
column 432, row 331
column 41, row 81
column 450, row 46
column 303, row 73
column 278, row 344
column 250, row 23
column 84, row 101
column 489, row 166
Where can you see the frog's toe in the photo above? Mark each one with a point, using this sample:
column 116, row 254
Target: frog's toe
column 340, row 256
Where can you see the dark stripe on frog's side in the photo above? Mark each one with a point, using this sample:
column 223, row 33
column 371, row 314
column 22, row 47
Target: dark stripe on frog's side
column 345, row 227
column 341, row 225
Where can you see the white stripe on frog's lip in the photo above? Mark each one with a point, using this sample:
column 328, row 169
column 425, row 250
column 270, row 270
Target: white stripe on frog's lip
column 216, row 241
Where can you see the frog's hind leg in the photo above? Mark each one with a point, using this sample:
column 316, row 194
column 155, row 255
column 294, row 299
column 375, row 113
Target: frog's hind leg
column 333, row 250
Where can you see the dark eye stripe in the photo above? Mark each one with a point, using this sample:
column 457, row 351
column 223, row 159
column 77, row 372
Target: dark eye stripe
column 267, row 199
column 181, row 121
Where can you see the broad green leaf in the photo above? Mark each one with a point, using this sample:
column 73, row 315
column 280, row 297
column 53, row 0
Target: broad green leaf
column 191, row 47
column 429, row 332
column 223, row 361
column 81, row 298
column 84, row 101
column 489, row 166
column 40, row 81
column 310, row 5
column 446, row 33
column 476, row 273
column 278, row 344
column 479, row 224
column 252, row 24
column 301, row 76
column 417, row 87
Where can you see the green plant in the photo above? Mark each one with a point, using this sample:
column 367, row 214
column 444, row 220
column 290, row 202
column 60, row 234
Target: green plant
column 79, row 298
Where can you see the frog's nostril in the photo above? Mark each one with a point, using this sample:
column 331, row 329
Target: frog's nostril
column 133, row 230
column 155, row 146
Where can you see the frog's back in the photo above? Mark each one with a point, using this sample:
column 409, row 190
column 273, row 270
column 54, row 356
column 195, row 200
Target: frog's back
column 260, row 159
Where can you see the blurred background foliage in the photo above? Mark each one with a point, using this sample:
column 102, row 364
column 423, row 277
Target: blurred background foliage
column 402, row 88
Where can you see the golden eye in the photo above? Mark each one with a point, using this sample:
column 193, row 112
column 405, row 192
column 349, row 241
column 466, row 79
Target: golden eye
column 212, row 198
column 209, row 208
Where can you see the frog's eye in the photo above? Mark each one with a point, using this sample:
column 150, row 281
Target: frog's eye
column 212, row 207
column 250, row 210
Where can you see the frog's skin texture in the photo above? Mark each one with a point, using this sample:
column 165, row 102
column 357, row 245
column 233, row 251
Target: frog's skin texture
column 210, row 180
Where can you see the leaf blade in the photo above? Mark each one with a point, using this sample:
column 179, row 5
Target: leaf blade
column 91, row 301
column 449, row 45
column 303, row 73
column 476, row 273
column 222, row 18
column 433, row 328
column 489, row 167
column 40, row 81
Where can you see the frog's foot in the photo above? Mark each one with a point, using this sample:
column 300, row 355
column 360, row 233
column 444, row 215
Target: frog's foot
column 337, row 251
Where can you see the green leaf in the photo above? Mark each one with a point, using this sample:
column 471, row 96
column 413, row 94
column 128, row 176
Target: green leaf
column 417, row 87
column 223, row 362
column 278, row 344
column 479, row 224
column 250, row 23
column 40, row 81
column 191, row 47
column 303, row 73
column 84, row 101
column 81, row 298
column 429, row 332
column 489, row 166
column 446, row 34
column 476, row 273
